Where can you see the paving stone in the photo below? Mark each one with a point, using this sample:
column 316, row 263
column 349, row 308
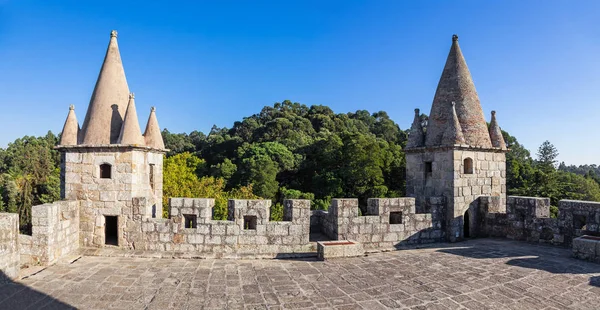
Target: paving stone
column 477, row 274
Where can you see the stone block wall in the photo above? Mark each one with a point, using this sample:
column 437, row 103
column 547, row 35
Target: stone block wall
column 528, row 219
column 389, row 222
column 422, row 184
column 587, row 248
column 9, row 245
column 460, row 174
column 487, row 177
column 25, row 249
column 247, row 231
column 135, row 172
column 55, row 232
column 577, row 218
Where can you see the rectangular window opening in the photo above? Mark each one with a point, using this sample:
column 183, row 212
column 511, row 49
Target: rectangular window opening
column 190, row 220
column 111, row 230
column 250, row 222
column 428, row 168
column 395, row 217
column 105, row 171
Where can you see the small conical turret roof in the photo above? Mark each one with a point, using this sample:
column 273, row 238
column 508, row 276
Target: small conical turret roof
column 416, row 136
column 496, row 133
column 131, row 133
column 104, row 117
column 152, row 134
column 453, row 134
column 70, row 132
column 456, row 85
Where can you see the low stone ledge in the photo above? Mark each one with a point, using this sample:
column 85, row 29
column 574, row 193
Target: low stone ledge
column 339, row 248
column 587, row 248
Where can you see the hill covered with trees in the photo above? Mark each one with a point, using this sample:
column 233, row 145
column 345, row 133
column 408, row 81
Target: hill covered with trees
column 288, row 150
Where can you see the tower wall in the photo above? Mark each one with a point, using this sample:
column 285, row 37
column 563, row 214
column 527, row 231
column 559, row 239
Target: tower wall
column 423, row 185
column 130, row 177
column 488, row 178
column 447, row 178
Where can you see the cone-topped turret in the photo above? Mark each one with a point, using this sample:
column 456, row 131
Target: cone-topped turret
column 416, row 136
column 456, row 85
column 70, row 132
column 131, row 134
column 104, row 117
column 453, row 134
column 496, row 133
column 152, row 134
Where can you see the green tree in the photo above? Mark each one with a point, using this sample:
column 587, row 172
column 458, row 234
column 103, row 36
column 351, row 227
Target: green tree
column 181, row 180
column 30, row 175
column 546, row 156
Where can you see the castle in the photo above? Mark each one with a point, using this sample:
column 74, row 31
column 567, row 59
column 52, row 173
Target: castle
column 111, row 185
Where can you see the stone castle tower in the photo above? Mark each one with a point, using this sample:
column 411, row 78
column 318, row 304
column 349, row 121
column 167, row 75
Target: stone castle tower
column 457, row 156
column 108, row 162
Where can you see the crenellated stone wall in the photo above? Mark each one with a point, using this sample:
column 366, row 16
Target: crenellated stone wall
column 389, row 222
column 9, row 245
column 55, row 233
column 246, row 232
column 528, row 219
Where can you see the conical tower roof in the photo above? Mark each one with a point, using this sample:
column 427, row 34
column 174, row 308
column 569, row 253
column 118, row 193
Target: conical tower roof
column 104, row 117
column 152, row 134
column 70, row 132
column 496, row 133
column 131, row 133
column 453, row 134
column 416, row 136
column 456, row 85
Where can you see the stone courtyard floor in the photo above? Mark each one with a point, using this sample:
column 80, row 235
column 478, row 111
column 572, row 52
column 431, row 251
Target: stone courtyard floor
column 477, row 274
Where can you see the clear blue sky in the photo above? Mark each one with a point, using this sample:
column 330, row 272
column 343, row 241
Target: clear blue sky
column 202, row 63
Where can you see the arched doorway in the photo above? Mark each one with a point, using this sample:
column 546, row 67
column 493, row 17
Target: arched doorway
column 466, row 225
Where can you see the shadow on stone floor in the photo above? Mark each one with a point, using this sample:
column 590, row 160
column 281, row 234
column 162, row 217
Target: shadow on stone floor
column 304, row 257
column 595, row 281
column 14, row 295
column 548, row 258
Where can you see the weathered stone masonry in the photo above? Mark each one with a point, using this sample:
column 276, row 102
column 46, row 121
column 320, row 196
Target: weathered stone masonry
column 9, row 244
column 247, row 231
column 55, row 233
column 528, row 219
column 389, row 222
column 130, row 175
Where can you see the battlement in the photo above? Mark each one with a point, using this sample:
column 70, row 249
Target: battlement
column 389, row 222
column 528, row 219
column 247, row 230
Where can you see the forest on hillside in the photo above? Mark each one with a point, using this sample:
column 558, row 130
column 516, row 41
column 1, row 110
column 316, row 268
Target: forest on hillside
column 289, row 150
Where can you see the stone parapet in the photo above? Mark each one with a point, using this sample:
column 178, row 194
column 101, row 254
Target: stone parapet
column 389, row 222
column 587, row 248
column 528, row 219
column 247, row 231
column 55, row 232
column 9, row 245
